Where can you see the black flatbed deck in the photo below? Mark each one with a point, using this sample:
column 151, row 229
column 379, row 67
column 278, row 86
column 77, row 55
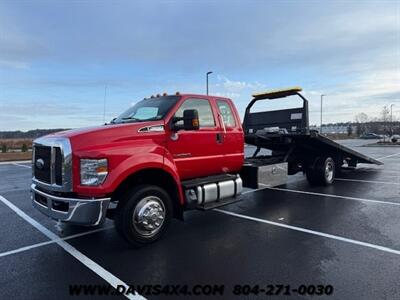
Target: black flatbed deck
column 287, row 133
column 311, row 142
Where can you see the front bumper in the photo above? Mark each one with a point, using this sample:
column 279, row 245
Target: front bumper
column 72, row 210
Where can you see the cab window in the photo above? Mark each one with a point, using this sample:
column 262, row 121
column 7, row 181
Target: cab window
column 206, row 117
column 226, row 113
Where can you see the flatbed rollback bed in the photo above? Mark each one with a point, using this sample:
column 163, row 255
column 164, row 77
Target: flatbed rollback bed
column 294, row 148
column 286, row 133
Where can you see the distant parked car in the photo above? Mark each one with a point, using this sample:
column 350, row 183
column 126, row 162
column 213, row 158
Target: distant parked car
column 395, row 138
column 370, row 136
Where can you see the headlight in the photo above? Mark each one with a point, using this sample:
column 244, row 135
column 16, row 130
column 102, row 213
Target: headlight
column 93, row 171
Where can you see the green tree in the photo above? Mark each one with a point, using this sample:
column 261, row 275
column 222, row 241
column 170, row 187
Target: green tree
column 4, row 148
column 349, row 130
column 24, row 148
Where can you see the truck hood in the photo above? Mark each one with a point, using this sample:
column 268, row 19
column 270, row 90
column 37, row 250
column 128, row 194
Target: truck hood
column 95, row 137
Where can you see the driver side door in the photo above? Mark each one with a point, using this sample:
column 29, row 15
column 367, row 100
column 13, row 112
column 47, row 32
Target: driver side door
column 197, row 153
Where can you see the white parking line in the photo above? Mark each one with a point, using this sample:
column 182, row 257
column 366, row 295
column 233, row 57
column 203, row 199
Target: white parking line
column 92, row 265
column 381, row 171
column 252, row 191
column 367, row 181
column 390, row 172
column 14, row 190
column 380, row 175
column 313, row 232
column 388, row 175
column 26, row 248
column 387, row 156
column 24, row 166
column 325, row 195
column 15, row 162
column 377, row 169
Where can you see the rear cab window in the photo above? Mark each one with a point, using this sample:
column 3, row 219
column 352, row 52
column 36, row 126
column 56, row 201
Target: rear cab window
column 226, row 112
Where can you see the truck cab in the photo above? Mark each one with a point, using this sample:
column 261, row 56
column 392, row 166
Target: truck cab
column 215, row 147
column 165, row 154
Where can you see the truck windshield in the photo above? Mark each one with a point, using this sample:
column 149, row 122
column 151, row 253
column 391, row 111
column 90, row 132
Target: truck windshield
column 147, row 110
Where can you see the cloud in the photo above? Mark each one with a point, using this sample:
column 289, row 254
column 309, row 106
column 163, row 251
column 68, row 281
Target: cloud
column 25, row 116
column 38, row 109
column 235, row 36
column 232, row 85
column 367, row 93
column 13, row 64
column 18, row 48
column 227, row 95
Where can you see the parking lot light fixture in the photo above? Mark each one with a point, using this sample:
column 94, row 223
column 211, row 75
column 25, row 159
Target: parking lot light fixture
column 208, row 73
column 322, row 96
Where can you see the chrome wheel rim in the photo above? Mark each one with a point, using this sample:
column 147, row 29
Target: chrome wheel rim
column 148, row 216
column 329, row 167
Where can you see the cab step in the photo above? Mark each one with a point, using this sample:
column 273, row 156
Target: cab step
column 223, row 202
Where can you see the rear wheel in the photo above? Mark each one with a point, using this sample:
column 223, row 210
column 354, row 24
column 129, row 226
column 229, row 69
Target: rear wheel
column 322, row 172
column 143, row 215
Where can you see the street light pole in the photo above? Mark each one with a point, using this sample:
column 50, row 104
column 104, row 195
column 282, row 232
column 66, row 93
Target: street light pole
column 104, row 104
column 391, row 119
column 322, row 96
column 208, row 73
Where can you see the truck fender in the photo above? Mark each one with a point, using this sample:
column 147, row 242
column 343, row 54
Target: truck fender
column 170, row 167
column 158, row 175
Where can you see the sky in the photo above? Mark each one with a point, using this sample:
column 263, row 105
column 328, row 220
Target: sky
column 59, row 60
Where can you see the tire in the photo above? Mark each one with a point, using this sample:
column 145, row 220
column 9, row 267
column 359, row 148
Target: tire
column 143, row 214
column 322, row 173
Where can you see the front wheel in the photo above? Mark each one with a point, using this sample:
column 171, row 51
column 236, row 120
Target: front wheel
column 322, row 172
column 143, row 215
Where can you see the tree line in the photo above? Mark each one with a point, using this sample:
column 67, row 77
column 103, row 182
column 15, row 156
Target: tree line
column 30, row 134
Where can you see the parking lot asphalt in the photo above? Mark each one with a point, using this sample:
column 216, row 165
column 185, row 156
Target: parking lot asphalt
column 346, row 235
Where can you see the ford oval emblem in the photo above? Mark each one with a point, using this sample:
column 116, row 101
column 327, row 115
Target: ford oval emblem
column 39, row 163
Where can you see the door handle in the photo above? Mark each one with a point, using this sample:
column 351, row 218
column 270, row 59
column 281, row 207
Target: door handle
column 219, row 138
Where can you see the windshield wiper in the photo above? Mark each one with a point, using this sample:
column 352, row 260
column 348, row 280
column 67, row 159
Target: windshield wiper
column 129, row 119
column 111, row 122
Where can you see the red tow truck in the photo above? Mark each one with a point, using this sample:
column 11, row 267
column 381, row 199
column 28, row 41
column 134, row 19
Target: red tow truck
column 170, row 153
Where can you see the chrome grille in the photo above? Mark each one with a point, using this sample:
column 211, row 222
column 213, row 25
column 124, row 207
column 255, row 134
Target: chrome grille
column 42, row 165
column 52, row 164
column 48, row 164
column 58, row 161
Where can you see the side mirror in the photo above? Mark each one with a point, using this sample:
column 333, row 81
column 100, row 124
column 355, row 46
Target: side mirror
column 190, row 120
